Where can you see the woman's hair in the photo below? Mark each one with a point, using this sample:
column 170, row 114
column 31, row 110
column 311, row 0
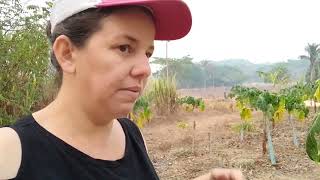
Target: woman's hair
column 79, row 28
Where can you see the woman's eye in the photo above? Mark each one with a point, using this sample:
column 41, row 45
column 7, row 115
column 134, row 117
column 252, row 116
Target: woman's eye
column 125, row 48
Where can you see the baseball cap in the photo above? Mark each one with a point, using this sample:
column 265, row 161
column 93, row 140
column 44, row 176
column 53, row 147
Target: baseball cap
column 173, row 18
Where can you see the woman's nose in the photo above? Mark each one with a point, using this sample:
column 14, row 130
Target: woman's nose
column 141, row 67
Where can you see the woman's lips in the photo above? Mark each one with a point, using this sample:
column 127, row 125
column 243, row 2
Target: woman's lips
column 132, row 92
column 133, row 89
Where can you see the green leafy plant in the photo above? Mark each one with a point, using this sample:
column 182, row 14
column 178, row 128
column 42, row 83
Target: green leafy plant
column 294, row 105
column 190, row 103
column 141, row 112
column 25, row 75
column 313, row 140
column 182, row 125
column 164, row 95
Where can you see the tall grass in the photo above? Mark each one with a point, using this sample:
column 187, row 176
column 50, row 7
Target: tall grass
column 164, row 95
column 160, row 97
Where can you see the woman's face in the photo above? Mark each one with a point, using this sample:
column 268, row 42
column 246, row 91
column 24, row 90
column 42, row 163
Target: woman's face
column 113, row 66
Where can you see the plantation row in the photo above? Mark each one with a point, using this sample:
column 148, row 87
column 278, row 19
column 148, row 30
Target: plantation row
column 161, row 97
column 274, row 106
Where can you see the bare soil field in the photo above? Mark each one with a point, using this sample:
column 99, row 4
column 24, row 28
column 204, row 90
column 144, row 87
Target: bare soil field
column 171, row 147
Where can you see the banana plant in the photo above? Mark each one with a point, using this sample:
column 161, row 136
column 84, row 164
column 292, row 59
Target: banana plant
column 313, row 140
column 309, row 90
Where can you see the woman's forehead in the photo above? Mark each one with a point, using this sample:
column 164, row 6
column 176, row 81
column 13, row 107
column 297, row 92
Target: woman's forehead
column 133, row 25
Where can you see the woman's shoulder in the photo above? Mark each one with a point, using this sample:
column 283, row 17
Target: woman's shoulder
column 130, row 126
column 11, row 146
column 134, row 131
column 10, row 153
column 127, row 122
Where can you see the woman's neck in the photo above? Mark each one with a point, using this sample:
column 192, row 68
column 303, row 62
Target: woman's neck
column 66, row 117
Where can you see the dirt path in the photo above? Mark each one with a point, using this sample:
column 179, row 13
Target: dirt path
column 170, row 148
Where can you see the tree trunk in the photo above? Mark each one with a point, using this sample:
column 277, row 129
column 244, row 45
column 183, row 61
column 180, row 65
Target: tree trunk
column 194, row 138
column 312, row 73
column 295, row 139
column 209, row 135
column 273, row 124
column 270, row 145
column 316, row 70
column 241, row 134
column 264, row 139
column 315, row 105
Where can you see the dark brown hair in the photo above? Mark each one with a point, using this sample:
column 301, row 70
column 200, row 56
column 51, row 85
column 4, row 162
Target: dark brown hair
column 80, row 27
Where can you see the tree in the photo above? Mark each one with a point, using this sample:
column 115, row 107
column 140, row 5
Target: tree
column 294, row 104
column 186, row 73
column 10, row 16
column 270, row 104
column 24, row 59
column 313, row 51
column 208, row 68
column 277, row 75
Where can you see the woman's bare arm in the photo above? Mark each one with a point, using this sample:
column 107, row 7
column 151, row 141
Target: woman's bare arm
column 10, row 153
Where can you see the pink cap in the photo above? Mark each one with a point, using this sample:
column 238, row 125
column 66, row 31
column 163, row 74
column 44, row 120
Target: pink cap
column 173, row 18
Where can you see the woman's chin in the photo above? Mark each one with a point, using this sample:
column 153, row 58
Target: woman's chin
column 124, row 109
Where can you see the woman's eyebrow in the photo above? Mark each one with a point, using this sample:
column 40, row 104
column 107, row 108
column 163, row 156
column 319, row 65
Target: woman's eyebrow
column 123, row 37
column 133, row 40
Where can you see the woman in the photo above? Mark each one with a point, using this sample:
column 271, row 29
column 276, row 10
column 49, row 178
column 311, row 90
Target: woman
column 101, row 50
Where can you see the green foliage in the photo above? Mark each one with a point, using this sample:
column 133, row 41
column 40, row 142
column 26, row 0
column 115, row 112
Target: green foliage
column 202, row 106
column 24, row 72
column 245, row 96
column 268, row 103
column 313, row 140
column 208, row 73
column 294, row 100
column 277, row 75
column 273, row 105
column 164, row 95
column 227, row 75
column 187, row 74
column 141, row 104
column 204, row 74
column 245, row 114
column 141, row 112
column 279, row 113
column 313, row 55
column 182, row 125
column 317, row 92
column 192, row 101
column 245, row 126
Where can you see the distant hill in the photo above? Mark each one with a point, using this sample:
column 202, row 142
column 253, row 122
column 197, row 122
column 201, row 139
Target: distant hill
column 189, row 74
column 296, row 68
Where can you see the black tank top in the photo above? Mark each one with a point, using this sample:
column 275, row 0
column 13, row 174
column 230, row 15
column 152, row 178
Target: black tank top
column 46, row 157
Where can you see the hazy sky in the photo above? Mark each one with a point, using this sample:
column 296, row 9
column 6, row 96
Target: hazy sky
column 257, row 30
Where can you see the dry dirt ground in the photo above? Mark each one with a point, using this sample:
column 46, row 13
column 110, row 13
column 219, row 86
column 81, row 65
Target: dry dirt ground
column 170, row 147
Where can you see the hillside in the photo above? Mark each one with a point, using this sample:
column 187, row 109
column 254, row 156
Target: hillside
column 296, row 68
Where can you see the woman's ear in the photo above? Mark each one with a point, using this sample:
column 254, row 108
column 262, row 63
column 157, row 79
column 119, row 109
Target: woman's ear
column 63, row 49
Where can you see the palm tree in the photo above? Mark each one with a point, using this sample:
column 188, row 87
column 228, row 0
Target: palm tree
column 313, row 51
